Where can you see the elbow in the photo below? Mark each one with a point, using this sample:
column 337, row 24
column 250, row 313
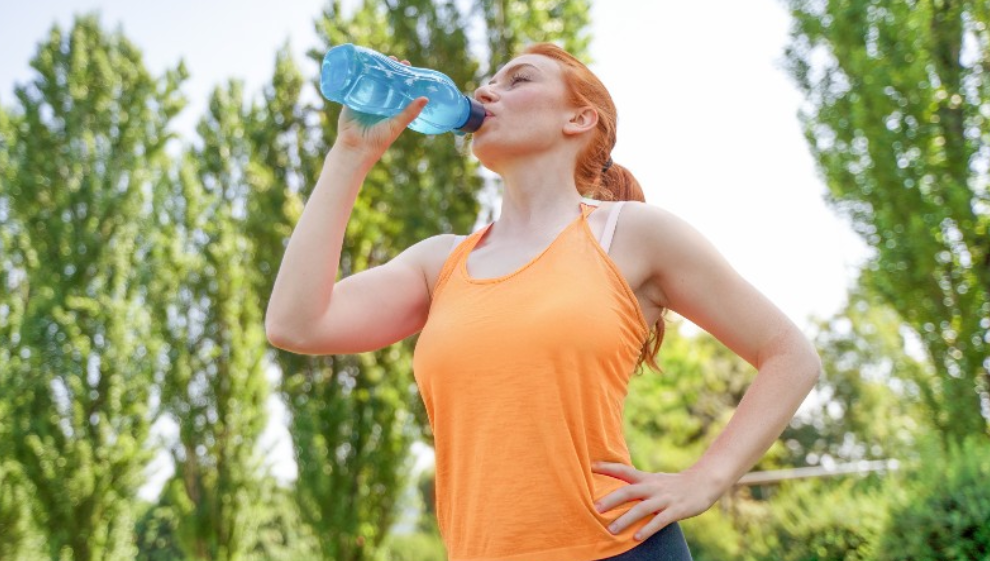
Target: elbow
column 274, row 336
column 280, row 337
column 295, row 341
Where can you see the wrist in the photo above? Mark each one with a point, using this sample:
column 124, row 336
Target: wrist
column 715, row 479
column 344, row 159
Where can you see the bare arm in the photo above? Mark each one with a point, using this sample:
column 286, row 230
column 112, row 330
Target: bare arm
column 699, row 284
column 308, row 311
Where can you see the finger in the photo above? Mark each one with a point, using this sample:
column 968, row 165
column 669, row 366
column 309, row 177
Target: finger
column 638, row 512
column 411, row 111
column 406, row 62
column 621, row 496
column 659, row 522
column 619, row 471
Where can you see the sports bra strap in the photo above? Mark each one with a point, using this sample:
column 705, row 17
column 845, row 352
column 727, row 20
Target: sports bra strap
column 609, row 231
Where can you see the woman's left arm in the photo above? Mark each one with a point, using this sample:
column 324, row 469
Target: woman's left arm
column 691, row 278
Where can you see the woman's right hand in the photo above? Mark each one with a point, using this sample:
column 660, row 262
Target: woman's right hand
column 368, row 136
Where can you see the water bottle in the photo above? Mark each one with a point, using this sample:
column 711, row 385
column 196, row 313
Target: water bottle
column 370, row 82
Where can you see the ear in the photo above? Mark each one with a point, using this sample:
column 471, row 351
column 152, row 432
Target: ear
column 582, row 120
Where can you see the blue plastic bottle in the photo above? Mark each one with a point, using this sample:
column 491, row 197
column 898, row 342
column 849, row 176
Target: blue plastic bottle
column 370, row 82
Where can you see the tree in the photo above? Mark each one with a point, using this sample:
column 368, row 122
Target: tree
column 510, row 24
column 216, row 388
column 76, row 384
column 896, row 117
column 874, row 400
column 16, row 525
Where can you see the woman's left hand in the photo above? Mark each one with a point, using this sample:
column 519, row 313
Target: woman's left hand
column 667, row 497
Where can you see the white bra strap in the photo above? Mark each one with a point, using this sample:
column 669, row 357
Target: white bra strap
column 613, row 218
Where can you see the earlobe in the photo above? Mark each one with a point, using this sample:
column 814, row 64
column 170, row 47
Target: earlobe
column 582, row 120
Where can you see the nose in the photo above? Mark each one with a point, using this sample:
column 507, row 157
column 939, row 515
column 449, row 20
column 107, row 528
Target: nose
column 485, row 94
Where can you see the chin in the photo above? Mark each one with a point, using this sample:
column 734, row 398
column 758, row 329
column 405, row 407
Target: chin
column 484, row 150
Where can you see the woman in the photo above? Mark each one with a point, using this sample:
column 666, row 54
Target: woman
column 531, row 327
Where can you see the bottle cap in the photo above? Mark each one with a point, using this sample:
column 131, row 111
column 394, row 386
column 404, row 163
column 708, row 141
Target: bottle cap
column 476, row 116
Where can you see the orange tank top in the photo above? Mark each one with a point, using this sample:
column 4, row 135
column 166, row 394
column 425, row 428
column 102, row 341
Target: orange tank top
column 524, row 378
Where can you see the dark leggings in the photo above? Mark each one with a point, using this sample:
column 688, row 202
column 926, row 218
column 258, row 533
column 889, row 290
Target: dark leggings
column 666, row 545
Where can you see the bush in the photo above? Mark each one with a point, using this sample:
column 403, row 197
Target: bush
column 711, row 536
column 823, row 521
column 943, row 509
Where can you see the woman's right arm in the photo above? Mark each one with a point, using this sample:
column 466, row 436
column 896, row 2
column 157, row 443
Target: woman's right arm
column 309, row 312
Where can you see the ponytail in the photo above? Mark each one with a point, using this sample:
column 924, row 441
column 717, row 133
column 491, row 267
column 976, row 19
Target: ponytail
column 617, row 183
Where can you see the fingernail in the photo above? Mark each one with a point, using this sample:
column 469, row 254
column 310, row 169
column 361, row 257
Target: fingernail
column 613, row 528
column 598, row 507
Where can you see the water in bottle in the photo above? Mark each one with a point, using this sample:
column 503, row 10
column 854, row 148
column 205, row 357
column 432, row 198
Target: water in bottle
column 370, row 82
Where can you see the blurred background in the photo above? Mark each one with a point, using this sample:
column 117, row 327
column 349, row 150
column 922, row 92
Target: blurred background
column 154, row 159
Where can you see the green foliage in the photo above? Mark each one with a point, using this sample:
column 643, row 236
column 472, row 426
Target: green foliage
column 155, row 533
column 210, row 318
column 823, row 521
column 897, row 119
column 671, row 417
column 513, row 24
column 86, row 142
column 19, row 535
column 942, row 509
column 418, row 546
column 873, row 399
column 712, row 536
column 279, row 535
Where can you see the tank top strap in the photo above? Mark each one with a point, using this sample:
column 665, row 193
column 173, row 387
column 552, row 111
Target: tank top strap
column 587, row 209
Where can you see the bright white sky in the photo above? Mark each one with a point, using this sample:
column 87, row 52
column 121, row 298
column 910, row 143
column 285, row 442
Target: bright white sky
column 707, row 118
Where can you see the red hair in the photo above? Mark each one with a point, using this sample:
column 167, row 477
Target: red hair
column 595, row 174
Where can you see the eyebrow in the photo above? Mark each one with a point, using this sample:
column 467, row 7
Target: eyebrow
column 508, row 69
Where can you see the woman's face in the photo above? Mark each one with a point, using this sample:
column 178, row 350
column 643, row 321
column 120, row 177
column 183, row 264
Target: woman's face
column 526, row 104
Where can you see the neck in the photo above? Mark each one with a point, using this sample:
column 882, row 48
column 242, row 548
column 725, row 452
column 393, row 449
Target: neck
column 540, row 197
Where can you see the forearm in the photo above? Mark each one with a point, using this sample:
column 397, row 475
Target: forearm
column 782, row 383
column 305, row 280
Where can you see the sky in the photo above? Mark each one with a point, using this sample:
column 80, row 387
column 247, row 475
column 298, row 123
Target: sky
column 707, row 119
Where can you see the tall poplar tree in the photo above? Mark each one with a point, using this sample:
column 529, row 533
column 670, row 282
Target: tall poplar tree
column 211, row 319
column 79, row 361
column 15, row 515
column 898, row 105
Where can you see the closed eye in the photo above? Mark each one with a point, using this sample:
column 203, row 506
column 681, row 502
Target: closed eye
column 518, row 78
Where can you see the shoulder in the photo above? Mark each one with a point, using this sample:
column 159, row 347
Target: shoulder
column 663, row 239
column 651, row 223
column 429, row 255
column 430, row 252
